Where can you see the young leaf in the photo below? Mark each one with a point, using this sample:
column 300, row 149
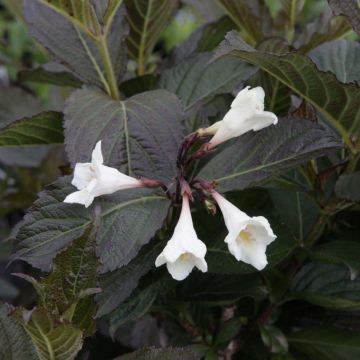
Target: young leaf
column 329, row 286
column 74, row 272
column 337, row 101
column 260, row 155
column 340, row 57
column 44, row 128
column 126, row 221
column 147, row 20
column 348, row 8
column 118, row 285
column 50, row 338
column 196, row 81
column 141, row 135
column 88, row 40
column 15, row 343
column 327, row 343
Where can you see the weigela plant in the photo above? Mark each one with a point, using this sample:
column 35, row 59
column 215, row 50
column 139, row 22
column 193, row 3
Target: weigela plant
column 179, row 179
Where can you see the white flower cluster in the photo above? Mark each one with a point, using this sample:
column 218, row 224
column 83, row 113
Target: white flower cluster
column 247, row 237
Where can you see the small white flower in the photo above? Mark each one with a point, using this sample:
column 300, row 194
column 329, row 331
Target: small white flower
column 246, row 113
column 248, row 236
column 184, row 250
column 95, row 179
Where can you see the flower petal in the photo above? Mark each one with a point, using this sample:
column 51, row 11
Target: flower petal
column 262, row 120
column 201, row 264
column 82, row 197
column 255, row 255
column 83, row 174
column 180, row 269
column 97, row 157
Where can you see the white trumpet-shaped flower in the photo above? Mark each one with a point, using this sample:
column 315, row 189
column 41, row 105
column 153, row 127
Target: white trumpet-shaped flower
column 246, row 113
column 248, row 236
column 184, row 250
column 95, row 179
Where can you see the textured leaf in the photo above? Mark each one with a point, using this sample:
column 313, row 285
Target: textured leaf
column 87, row 40
column 118, row 285
column 340, row 57
column 196, row 81
column 327, row 343
column 15, row 343
column 343, row 252
column 44, row 128
column 147, row 19
column 141, row 135
column 323, row 29
column 161, row 354
column 53, row 341
column 134, row 308
column 298, row 211
column 350, row 9
column 211, row 288
column 126, row 221
column 243, row 15
column 259, row 155
column 347, row 186
column 74, row 272
column 329, row 286
column 338, row 102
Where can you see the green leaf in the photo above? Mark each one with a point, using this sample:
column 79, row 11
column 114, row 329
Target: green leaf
column 340, row 57
column 139, row 84
column 15, row 344
column 136, row 307
column 348, row 8
column 141, row 135
column 118, row 285
column 323, row 29
column 343, row 252
column 260, row 155
column 52, row 341
column 337, row 101
column 298, row 211
column 90, row 39
column 43, row 76
column 196, row 81
column 15, row 104
column 224, row 289
column 161, row 354
column 347, row 186
column 74, row 272
column 125, row 221
column 243, row 15
column 147, row 20
column 329, row 286
column 44, row 128
column 327, row 343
